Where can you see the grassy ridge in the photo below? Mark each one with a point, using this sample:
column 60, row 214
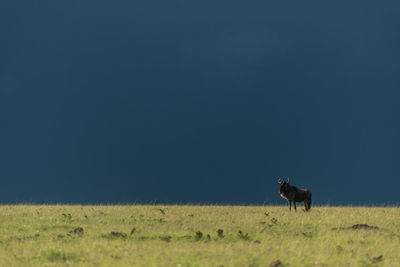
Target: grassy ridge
column 188, row 236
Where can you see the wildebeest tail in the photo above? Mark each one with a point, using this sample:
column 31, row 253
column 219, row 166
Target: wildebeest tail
column 309, row 200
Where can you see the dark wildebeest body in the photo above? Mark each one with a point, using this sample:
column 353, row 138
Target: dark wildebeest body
column 293, row 194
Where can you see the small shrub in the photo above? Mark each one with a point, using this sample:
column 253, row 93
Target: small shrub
column 244, row 236
column 377, row 259
column 78, row 231
column 199, row 235
column 162, row 211
column 220, row 233
column 132, row 231
column 116, row 257
column 54, row 255
column 67, row 217
column 166, row 238
column 115, row 235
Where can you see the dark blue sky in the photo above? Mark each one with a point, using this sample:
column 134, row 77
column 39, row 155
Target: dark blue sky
column 199, row 101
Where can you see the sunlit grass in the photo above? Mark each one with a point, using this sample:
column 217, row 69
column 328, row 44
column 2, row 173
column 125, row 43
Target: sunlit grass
column 197, row 236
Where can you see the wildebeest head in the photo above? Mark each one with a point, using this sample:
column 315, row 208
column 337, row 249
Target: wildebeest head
column 283, row 186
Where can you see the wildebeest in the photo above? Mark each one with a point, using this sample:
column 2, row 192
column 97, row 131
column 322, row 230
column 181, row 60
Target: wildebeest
column 292, row 193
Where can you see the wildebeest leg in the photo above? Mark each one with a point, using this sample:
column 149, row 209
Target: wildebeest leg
column 294, row 204
column 305, row 205
column 290, row 205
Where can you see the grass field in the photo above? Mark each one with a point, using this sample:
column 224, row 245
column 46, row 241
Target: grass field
column 198, row 236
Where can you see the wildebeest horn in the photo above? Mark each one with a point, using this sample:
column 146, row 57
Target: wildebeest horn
column 288, row 180
column 279, row 180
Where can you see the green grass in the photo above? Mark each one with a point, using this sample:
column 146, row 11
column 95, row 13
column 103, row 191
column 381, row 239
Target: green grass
column 197, row 236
